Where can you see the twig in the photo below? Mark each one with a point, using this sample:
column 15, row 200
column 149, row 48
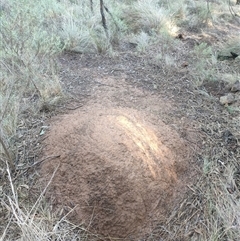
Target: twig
column 38, row 162
column 233, row 13
column 91, row 5
column 74, row 108
column 10, row 162
column 6, row 105
column 6, row 229
column 11, row 184
column 43, row 192
column 103, row 18
column 70, row 108
column 209, row 12
column 107, row 10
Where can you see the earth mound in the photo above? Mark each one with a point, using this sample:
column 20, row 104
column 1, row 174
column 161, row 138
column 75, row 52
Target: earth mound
column 120, row 168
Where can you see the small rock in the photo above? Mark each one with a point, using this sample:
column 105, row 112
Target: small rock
column 236, row 86
column 180, row 36
column 184, row 64
column 227, row 99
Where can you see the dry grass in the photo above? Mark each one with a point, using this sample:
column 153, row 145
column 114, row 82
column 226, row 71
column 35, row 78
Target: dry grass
column 33, row 34
column 210, row 210
column 37, row 221
column 28, row 66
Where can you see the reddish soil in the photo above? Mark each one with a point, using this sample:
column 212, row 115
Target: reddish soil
column 120, row 165
column 125, row 157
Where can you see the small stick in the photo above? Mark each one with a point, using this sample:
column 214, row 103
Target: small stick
column 91, row 5
column 103, row 18
column 38, row 162
column 10, row 161
column 25, row 169
column 107, row 10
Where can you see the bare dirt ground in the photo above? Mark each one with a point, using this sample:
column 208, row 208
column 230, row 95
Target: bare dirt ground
column 129, row 145
column 125, row 157
column 120, row 167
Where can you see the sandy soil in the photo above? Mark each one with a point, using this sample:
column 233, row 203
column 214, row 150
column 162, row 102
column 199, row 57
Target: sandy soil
column 120, row 166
